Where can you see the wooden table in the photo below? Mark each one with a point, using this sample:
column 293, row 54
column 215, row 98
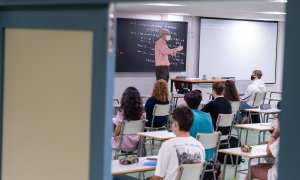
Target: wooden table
column 266, row 113
column 258, row 151
column 191, row 81
column 260, row 127
column 119, row 169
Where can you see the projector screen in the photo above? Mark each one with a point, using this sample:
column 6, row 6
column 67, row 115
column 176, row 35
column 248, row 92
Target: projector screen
column 234, row 48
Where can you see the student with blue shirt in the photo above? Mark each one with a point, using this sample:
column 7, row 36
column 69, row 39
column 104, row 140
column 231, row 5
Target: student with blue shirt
column 202, row 120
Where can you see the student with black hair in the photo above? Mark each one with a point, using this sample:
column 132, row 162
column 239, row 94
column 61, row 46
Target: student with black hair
column 202, row 120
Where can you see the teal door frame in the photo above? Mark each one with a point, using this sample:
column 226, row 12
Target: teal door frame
column 289, row 157
column 73, row 15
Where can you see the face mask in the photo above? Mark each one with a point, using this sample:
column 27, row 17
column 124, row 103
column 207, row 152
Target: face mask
column 252, row 77
column 168, row 37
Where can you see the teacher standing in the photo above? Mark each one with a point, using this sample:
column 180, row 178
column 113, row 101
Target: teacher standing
column 162, row 51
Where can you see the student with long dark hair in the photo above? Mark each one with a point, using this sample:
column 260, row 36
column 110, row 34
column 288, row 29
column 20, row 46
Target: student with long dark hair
column 231, row 93
column 131, row 109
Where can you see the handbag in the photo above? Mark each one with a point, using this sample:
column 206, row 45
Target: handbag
column 265, row 106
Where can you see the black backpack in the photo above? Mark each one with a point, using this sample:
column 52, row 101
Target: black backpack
column 234, row 142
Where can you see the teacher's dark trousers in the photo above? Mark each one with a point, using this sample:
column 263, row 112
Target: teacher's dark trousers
column 162, row 72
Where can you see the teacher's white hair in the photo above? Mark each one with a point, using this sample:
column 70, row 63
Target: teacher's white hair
column 163, row 32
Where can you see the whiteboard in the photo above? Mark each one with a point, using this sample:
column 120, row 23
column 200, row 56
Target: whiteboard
column 234, row 48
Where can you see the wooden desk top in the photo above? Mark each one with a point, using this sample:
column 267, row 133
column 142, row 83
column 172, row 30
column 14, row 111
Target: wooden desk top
column 118, row 169
column 256, row 126
column 197, row 80
column 267, row 111
column 258, row 151
column 158, row 135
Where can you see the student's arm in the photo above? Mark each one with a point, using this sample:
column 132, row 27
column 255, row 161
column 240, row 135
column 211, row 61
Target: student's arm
column 117, row 131
column 163, row 160
column 118, row 124
column 274, row 137
column 149, row 107
column 248, row 93
column 155, row 178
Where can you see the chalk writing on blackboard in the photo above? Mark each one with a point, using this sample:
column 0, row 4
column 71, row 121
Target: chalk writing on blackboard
column 136, row 41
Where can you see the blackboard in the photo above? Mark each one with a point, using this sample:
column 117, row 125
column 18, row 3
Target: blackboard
column 136, row 40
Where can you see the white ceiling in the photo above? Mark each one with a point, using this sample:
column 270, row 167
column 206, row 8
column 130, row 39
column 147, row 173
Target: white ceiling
column 236, row 9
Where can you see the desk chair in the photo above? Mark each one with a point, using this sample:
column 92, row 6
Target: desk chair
column 159, row 110
column 259, row 98
column 129, row 128
column 225, row 121
column 271, row 98
column 210, row 141
column 191, row 171
column 235, row 106
column 116, row 105
column 174, row 100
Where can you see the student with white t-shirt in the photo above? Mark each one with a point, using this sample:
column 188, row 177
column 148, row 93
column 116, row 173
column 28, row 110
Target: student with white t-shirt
column 183, row 149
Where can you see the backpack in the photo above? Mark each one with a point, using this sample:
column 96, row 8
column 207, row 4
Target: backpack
column 209, row 175
column 234, row 142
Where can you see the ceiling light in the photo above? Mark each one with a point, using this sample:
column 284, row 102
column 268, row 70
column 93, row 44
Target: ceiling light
column 279, row 1
column 277, row 13
column 162, row 4
column 179, row 14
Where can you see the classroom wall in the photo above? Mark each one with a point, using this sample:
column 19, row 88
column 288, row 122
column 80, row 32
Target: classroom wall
column 144, row 81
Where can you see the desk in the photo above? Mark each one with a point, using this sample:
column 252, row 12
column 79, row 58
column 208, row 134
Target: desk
column 156, row 135
column 118, row 169
column 265, row 112
column 191, row 81
column 258, row 151
column 260, row 127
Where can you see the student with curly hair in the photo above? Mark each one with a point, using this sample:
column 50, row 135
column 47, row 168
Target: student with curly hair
column 160, row 95
column 131, row 109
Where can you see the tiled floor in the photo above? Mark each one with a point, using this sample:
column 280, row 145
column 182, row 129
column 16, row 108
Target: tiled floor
column 229, row 174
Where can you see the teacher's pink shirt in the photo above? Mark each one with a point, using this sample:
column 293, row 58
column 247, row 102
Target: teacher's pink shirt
column 161, row 52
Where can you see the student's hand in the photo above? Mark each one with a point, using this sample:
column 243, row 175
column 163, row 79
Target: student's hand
column 173, row 53
column 179, row 48
column 276, row 133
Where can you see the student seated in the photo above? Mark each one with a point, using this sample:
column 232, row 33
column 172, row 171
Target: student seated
column 183, row 149
column 247, row 100
column 131, row 109
column 220, row 105
column 202, row 121
column 268, row 171
column 160, row 95
column 231, row 94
